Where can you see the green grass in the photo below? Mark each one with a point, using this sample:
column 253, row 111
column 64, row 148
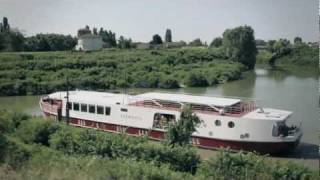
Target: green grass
column 44, row 72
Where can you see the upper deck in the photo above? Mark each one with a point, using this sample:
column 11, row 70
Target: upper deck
column 201, row 104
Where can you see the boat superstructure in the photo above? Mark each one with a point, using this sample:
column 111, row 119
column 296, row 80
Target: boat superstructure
column 226, row 122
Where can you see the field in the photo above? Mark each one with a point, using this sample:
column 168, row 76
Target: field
column 45, row 72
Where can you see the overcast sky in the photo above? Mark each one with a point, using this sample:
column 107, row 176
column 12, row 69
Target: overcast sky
column 188, row 19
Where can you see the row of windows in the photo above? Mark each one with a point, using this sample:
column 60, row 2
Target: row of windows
column 218, row 123
column 89, row 108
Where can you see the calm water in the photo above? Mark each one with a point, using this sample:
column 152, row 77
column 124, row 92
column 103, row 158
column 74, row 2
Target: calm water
column 293, row 90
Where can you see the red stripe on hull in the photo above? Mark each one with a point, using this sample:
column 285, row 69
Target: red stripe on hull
column 210, row 143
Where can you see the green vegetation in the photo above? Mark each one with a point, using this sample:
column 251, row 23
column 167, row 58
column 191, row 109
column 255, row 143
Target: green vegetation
column 303, row 56
column 41, row 73
column 180, row 132
column 283, row 53
column 240, row 46
column 36, row 148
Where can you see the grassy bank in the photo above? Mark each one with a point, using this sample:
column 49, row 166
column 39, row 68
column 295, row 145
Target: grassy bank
column 44, row 72
column 35, row 148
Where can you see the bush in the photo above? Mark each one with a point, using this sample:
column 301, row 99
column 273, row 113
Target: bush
column 91, row 142
column 195, row 79
column 36, row 131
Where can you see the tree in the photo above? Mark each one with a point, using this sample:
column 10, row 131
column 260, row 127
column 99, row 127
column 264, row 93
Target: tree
column 270, row 44
column 49, row 42
column 297, row 41
column 239, row 44
column 84, row 31
column 156, row 39
column 180, row 132
column 95, row 31
column 196, row 42
column 168, row 36
column 5, row 25
column 108, row 37
column 217, row 42
column 124, row 43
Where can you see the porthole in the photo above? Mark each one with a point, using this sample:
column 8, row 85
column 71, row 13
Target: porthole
column 217, row 122
column 230, row 124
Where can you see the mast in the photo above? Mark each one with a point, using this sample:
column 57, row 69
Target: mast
column 67, row 103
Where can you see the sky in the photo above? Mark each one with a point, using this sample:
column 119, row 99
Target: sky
column 188, row 19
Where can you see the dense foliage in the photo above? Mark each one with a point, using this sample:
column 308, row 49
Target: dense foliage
column 41, row 73
column 74, row 153
column 216, row 42
column 168, row 35
column 179, row 133
column 10, row 39
column 281, row 53
column 156, row 39
column 239, row 44
column 49, row 42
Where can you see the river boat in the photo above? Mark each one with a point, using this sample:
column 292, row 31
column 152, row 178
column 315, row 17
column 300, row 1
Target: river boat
column 225, row 122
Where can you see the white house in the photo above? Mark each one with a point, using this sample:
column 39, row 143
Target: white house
column 89, row 42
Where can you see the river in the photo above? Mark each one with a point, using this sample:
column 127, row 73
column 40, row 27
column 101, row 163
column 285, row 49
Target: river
column 288, row 89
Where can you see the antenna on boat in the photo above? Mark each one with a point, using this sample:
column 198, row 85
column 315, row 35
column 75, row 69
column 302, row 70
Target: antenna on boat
column 125, row 85
column 67, row 103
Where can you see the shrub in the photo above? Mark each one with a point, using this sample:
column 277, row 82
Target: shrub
column 36, row 131
column 195, row 79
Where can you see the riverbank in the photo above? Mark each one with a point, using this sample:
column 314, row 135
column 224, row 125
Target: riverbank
column 35, row 148
column 45, row 72
column 299, row 56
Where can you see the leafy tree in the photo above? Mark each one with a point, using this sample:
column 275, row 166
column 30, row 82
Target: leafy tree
column 156, row 39
column 95, row 31
column 5, row 27
column 270, row 44
column 124, row 43
column 49, row 42
column 297, row 41
column 180, row 132
column 168, row 36
column 217, row 42
column 2, row 41
column 84, row 31
column 196, row 42
column 108, row 37
column 16, row 40
column 240, row 46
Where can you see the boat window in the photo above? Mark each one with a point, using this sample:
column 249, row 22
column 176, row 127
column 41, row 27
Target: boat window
column 107, row 111
column 279, row 128
column 69, row 105
column 99, row 109
column 230, row 124
column 92, row 108
column 162, row 121
column 124, row 110
column 76, row 106
column 217, row 122
column 84, row 108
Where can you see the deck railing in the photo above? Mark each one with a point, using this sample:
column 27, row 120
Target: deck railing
column 51, row 107
column 235, row 110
